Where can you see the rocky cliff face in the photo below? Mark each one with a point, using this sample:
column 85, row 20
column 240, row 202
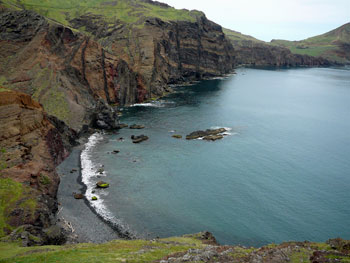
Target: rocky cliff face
column 67, row 72
column 31, row 148
column 75, row 74
column 164, row 52
column 259, row 54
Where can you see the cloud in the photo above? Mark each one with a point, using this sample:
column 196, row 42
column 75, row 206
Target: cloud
column 304, row 14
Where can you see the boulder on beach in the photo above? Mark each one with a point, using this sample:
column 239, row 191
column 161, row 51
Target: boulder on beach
column 102, row 184
column 177, row 136
column 100, row 170
column 207, row 133
column 94, row 198
column 138, row 139
column 78, row 196
column 136, row 127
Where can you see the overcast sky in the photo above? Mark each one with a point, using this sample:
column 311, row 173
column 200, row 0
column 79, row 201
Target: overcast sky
column 273, row 19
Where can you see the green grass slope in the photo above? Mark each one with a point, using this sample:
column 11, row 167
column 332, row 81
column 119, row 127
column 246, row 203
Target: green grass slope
column 13, row 195
column 127, row 11
column 176, row 249
column 333, row 45
column 238, row 37
column 115, row 251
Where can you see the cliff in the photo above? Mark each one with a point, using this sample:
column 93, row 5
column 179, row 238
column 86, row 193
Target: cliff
column 65, row 71
column 31, row 146
column 200, row 247
column 251, row 51
column 333, row 45
column 77, row 61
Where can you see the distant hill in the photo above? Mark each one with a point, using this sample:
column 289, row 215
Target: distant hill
column 238, row 37
column 334, row 45
column 251, row 51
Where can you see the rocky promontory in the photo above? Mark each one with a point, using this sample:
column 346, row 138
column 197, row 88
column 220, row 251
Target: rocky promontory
column 80, row 68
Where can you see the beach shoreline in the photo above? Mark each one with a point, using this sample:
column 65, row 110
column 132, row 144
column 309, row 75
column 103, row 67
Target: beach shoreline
column 80, row 220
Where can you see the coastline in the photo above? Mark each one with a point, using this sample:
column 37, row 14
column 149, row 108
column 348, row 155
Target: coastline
column 82, row 223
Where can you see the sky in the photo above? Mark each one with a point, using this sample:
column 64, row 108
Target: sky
column 273, row 19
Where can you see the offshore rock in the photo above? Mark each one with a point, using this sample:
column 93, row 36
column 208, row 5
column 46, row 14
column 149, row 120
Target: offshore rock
column 210, row 134
column 139, row 139
column 213, row 137
column 136, row 127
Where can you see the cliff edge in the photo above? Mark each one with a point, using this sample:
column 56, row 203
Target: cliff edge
column 31, row 146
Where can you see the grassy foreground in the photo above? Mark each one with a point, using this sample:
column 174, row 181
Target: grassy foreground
column 115, row 251
column 190, row 248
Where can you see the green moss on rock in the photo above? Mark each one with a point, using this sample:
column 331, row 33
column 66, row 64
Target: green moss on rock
column 14, row 195
column 44, row 180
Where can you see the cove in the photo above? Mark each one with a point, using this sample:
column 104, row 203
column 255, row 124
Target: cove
column 282, row 173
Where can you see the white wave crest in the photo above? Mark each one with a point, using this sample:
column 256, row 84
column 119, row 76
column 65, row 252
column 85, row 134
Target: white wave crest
column 156, row 104
column 89, row 172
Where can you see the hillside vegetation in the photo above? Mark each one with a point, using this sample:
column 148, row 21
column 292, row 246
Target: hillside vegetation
column 127, row 11
column 334, row 45
column 238, row 38
column 192, row 248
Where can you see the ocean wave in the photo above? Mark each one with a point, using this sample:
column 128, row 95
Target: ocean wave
column 156, row 104
column 228, row 131
column 89, row 172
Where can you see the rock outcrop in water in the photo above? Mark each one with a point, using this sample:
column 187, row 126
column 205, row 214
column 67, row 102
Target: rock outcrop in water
column 209, row 135
column 32, row 145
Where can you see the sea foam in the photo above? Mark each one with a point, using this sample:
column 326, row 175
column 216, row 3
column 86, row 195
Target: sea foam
column 89, row 172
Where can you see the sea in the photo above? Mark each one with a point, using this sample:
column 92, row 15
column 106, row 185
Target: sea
column 281, row 172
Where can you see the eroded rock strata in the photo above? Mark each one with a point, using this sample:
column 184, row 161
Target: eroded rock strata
column 260, row 54
column 75, row 74
column 69, row 73
column 32, row 145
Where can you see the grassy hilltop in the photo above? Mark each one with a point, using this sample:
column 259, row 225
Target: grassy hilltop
column 127, row 11
column 334, row 45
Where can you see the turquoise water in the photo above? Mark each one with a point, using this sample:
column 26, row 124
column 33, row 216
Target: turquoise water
column 283, row 173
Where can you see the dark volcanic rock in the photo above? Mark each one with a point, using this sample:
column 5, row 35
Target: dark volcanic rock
column 210, row 134
column 78, row 196
column 213, row 137
column 105, row 117
column 138, row 139
column 136, row 127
